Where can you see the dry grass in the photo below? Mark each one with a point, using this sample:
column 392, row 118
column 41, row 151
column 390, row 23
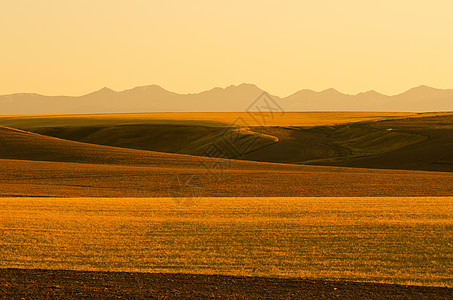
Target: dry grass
column 182, row 139
column 299, row 119
column 398, row 240
column 31, row 178
column 395, row 240
column 35, row 165
column 364, row 141
column 415, row 143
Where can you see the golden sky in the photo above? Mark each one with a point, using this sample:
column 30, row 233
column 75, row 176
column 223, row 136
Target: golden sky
column 75, row 47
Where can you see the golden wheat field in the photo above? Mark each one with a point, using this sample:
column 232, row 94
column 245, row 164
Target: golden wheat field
column 243, row 119
column 405, row 240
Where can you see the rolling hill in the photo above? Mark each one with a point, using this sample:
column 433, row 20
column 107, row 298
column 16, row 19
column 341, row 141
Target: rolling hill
column 227, row 135
column 355, row 139
column 183, row 139
column 409, row 143
column 434, row 153
column 37, row 165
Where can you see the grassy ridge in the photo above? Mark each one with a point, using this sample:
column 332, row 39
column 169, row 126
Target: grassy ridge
column 225, row 142
column 205, row 134
column 325, row 144
column 423, row 142
column 433, row 153
column 204, row 119
column 371, row 135
column 228, row 135
column 37, row 165
column 365, row 141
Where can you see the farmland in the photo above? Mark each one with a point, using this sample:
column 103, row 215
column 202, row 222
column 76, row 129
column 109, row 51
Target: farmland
column 86, row 195
column 242, row 150
column 387, row 240
column 427, row 154
column 37, row 165
column 370, row 140
column 68, row 284
column 415, row 143
column 183, row 133
column 193, row 140
column 301, row 119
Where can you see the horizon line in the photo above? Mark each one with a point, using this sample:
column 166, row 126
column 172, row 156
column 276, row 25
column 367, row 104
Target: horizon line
column 224, row 88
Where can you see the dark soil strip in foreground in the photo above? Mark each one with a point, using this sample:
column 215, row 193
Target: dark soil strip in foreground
column 63, row 284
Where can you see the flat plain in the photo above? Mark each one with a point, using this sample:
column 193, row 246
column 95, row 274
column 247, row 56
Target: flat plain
column 214, row 119
column 375, row 239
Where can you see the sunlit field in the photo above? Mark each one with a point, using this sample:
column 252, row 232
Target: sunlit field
column 268, row 118
column 393, row 240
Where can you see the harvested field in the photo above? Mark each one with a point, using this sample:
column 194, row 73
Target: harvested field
column 400, row 141
column 395, row 230
column 404, row 240
column 299, row 119
column 46, row 179
column 36, row 165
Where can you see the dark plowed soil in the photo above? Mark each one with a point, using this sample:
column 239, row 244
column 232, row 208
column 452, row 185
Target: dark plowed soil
column 62, row 284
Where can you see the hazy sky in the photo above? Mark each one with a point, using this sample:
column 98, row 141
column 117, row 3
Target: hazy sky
column 74, row 47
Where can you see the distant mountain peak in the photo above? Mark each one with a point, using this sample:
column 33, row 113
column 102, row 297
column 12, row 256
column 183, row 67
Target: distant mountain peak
column 106, row 89
column 153, row 98
column 250, row 85
column 422, row 89
column 152, row 87
column 243, row 86
column 370, row 93
column 331, row 91
column 301, row 93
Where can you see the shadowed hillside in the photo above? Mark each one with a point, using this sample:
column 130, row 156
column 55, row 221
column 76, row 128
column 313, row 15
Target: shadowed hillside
column 37, row 165
column 372, row 140
column 227, row 135
column 193, row 140
column 413, row 143
column 435, row 152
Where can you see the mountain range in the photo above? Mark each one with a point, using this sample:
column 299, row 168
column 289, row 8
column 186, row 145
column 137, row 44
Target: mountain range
column 238, row 98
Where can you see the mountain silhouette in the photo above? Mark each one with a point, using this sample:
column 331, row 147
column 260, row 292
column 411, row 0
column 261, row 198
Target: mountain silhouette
column 234, row 98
